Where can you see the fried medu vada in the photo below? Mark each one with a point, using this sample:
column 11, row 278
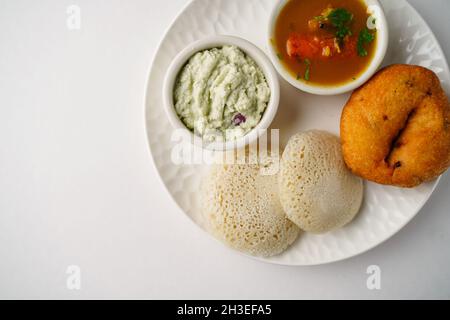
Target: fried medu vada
column 395, row 129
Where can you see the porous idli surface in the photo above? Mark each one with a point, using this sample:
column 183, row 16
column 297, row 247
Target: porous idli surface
column 242, row 208
column 317, row 191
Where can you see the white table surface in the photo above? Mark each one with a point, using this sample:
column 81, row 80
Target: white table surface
column 77, row 186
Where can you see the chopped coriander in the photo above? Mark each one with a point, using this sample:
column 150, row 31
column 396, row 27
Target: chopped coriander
column 307, row 74
column 279, row 56
column 319, row 18
column 308, row 69
column 299, row 76
column 341, row 33
column 340, row 19
column 365, row 37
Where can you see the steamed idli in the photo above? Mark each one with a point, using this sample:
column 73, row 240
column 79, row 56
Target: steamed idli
column 242, row 208
column 317, row 191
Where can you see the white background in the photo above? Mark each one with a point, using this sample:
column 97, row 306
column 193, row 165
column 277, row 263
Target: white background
column 77, row 186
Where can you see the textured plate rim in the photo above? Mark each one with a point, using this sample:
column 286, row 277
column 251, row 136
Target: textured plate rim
column 205, row 233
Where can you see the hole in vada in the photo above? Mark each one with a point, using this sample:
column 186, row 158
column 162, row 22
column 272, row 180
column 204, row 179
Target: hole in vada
column 396, row 141
column 399, row 144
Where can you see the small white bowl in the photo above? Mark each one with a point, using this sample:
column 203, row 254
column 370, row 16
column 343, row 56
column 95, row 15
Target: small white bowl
column 216, row 42
column 376, row 11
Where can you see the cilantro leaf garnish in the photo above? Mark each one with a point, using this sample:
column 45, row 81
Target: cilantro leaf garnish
column 340, row 19
column 365, row 37
column 343, row 32
column 308, row 69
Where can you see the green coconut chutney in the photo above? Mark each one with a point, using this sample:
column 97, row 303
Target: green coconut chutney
column 221, row 94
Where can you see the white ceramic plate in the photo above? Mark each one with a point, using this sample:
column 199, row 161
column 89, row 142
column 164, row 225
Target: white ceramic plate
column 385, row 210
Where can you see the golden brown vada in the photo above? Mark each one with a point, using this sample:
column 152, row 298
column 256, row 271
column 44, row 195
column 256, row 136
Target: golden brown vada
column 395, row 129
